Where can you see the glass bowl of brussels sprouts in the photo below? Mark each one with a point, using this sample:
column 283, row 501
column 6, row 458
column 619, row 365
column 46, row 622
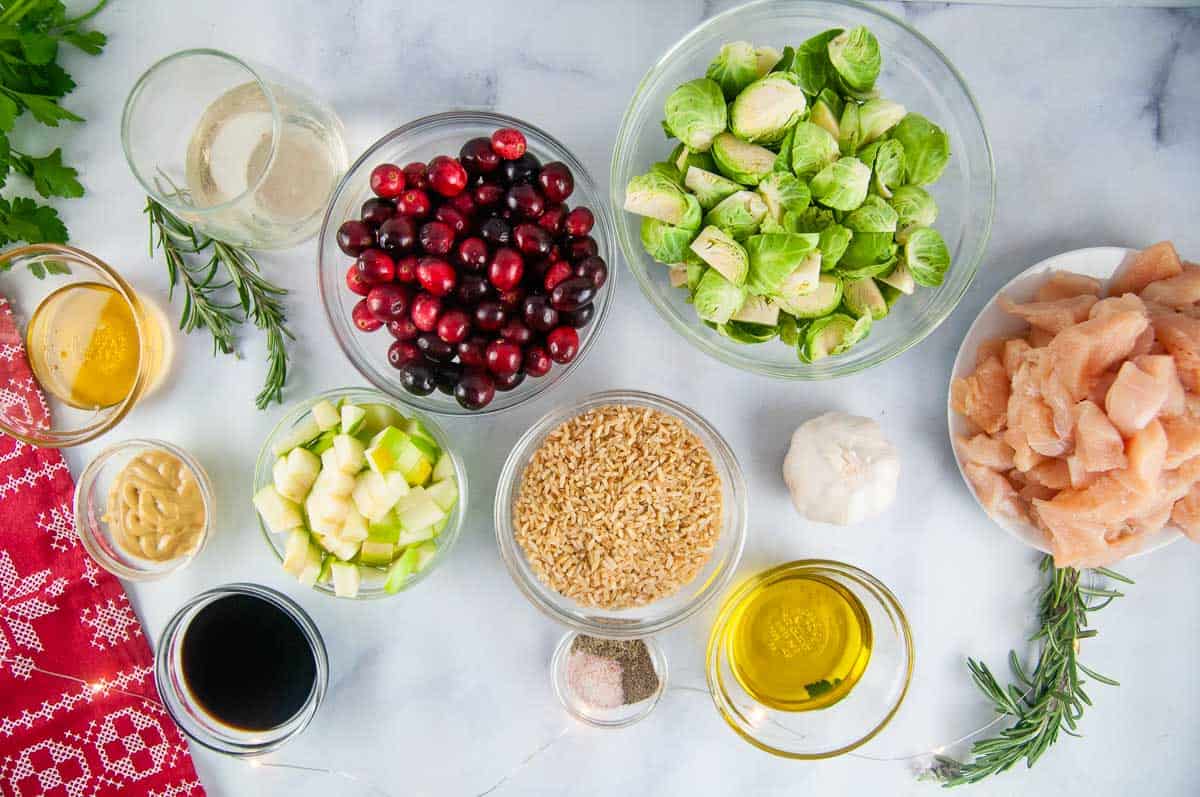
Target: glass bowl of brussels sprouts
column 825, row 193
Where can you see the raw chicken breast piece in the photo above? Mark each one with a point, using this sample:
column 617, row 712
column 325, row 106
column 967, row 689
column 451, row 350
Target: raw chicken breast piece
column 1014, row 354
column 1147, row 451
column 1053, row 316
column 995, row 492
column 1183, row 440
column 1162, row 368
column 1154, row 263
column 983, row 396
column 1065, row 284
column 1134, row 399
column 1085, row 351
column 1098, row 445
column 1052, row 473
column 1176, row 292
column 1127, row 303
column 1186, row 514
column 1180, row 336
column 990, row 452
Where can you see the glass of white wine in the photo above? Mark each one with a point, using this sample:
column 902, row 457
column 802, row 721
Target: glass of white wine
column 243, row 154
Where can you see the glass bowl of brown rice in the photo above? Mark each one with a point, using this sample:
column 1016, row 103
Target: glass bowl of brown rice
column 621, row 515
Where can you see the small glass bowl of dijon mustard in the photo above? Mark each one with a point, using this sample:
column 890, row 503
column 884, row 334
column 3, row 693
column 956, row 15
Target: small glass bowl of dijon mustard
column 143, row 509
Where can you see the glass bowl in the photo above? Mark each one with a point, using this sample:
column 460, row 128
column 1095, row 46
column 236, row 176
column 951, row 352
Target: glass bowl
column 372, row 580
column 33, row 409
column 639, row 621
column 598, row 717
column 421, row 140
column 844, row 725
column 916, row 74
column 91, row 503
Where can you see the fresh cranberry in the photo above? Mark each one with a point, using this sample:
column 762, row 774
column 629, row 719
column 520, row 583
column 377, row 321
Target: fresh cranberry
column 538, row 314
column 507, row 382
column 579, row 248
column 447, row 176
column 488, row 194
column 478, row 156
column 355, row 281
column 535, row 270
column 563, row 344
column 579, row 222
column 415, row 175
column 558, row 271
column 425, row 312
column 453, row 326
column 387, row 180
column 376, row 211
column 475, row 390
column 354, row 236
column 556, row 181
column 471, row 351
column 388, row 302
column 503, row 357
column 435, row 348
column 525, row 201
column 472, row 253
column 376, row 266
column 496, row 232
column 403, row 329
column 552, row 218
column 473, row 289
column 398, row 234
column 446, row 376
column 595, row 269
column 537, row 361
column 508, row 143
column 489, row 316
column 437, row 237
column 506, row 269
column 417, row 378
column 511, row 300
column 516, row 332
column 531, row 239
column 522, row 170
column 579, row 317
column 436, row 275
column 363, row 318
column 406, row 268
column 415, row 203
column 403, row 352
column 452, row 217
column 572, row 294
column 464, row 203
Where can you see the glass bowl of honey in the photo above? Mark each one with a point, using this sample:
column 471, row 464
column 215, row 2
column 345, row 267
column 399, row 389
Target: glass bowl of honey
column 79, row 346
column 810, row 659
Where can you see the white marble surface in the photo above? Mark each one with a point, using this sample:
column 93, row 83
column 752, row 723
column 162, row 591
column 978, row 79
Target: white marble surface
column 1094, row 119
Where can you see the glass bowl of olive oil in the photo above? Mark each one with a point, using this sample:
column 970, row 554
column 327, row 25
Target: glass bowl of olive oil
column 810, row 659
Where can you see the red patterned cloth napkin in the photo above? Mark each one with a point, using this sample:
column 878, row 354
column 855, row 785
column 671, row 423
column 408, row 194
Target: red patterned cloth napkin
column 61, row 613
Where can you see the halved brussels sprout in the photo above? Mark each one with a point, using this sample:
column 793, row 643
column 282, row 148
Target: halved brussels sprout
column 898, row 279
column 716, row 248
column 814, row 219
column 693, row 216
column 716, row 299
column 667, row 170
column 738, row 214
column 665, row 243
column 914, row 206
column 734, row 68
column 813, row 148
column 658, row 197
column 783, row 158
column 926, row 148
column 887, row 167
column 787, row 60
column 832, row 335
column 927, row 257
column 876, row 117
column 873, row 215
column 678, row 276
column 685, row 158
column 848, row 129
column 748, row 333
column 765, row 59
column 833, row 242
column 757, row 310
column 803, row 281
column 890, row 295
column 783, row 192
column 841, row 185
column 709, row 188
column 822, row 301
column 827, row 112
column 737, row 160
column 863, row 297
column 773, row 257
column 696, row 113
column 855, row 58
column 811, row 62
column 869, row 254
column 789, row 330
column 766, row 109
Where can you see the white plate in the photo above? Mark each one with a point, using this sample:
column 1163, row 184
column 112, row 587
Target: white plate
column 1099, row 262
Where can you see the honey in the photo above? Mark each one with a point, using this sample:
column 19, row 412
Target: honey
column 799, row 643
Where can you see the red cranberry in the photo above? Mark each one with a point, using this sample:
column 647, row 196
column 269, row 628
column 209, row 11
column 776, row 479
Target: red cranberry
column 471, row 351
column 446, row 376
column 579, row 222
column 355, row 281
column 507, row 382
column 506, row 269
column 580, row 317
column 398, row 234
column 464, row 203
column 436, row 275
column 579, row 248
column 452, row 217
column 376, row 266
column 516, row 332
column 414, row 203
column 437, row 237
column 453, row 326
column 538, row 314
column 472, row 253
column 572, row 294
column 478, row 156
column 417, row 378
column 354, row 236
column 552, row 218
column 387, row 180
column 447, row 176
column 594, row 269
column 489, row 316
column 524, row 200
column 488, row 194
column 535, row 270
column 531, row 239
column 496, row 232
column 403, row 352
column 475, row 390
column 435, row 348
column 563, row 344
column 406, row 268
column 415, row 175
column 556, row 181
column 558, row 271
column 508, row 143
column 511, row 300
column 522, row 170
column 388, row 302
column 363, row 318
column 403, row 329
column 425, row 311
column 473, row 289
column 537, row 361
column 376, row 211
column 503, row 357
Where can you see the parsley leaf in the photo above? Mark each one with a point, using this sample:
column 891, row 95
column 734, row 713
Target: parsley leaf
column 39, row 48
column 46, row 110
column 49, row 176
column 8, row 112
column 26, row 220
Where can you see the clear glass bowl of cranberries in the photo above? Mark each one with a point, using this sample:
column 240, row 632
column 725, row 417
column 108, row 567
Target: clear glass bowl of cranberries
column 465, row 262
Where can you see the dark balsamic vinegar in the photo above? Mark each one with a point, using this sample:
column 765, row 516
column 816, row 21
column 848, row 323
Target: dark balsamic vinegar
column 247, row 663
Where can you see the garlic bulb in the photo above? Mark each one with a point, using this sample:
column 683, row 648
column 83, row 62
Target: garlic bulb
column 841, row 469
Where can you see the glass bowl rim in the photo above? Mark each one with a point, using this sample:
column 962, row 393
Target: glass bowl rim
column 542, row 596
column 603, row 222
column 792, row 372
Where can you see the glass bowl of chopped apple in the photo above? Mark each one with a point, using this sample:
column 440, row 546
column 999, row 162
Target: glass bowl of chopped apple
column 358, row 495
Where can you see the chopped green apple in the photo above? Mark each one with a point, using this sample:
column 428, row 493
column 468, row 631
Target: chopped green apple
column 384, row 448
column 332, row 479
column 323, row 442
column 440, row 526
column 295, row 551
column 353, row 417
column 376, row 554
column 377, row 418
column 414, row 536
column 326, row 508
column 386, row 529
column 342, row 549
column 349, row 454
column 422, row 439
column 326, row 570
column 401, row 570
column 354, row 527
column 444, row 494
column 418, row 509
column 376, row 494
column 285, row 485
column 425, row 553
column 444, row 469
column 345, row 579
column 277, row 512
column 312, row 566
column 301, row 434
column 326, row 415
column 304, row 467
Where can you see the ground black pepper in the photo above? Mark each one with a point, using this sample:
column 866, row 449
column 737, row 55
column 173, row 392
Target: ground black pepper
column 639, row 679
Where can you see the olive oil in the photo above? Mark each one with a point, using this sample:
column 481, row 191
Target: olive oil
column 799, row 643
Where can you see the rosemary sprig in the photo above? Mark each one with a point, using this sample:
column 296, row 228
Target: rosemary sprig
column 225, row 268
column 1049, row 700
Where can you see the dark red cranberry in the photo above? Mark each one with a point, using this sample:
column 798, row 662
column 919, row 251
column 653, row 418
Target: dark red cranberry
column 451, row 216
column 415, row 175
column 376, row 266
column 579, row 248
column 532, row 239
column 447, row 176
column 464, row 203
column 478, row 156
column 398, row 234
column 376, row 211
column 488, row 195
column 435, row 348
column 515, row 331
column 354, row 236
column 403, row 329
column 471, row 351
column 425, row 311
column 388, row 302
column 508, row 143
column 558, row 271
column 578, row 222
column 580, row 317
column 446, row 376
column 489, row 316
column 472, row 253
column 363, row 318
column 503, row 357
column 415, row 203
column 525, row 201
column 453, row 326
column 563, row 344
column 507, row 382
column 355, row 281
column 572, row 294
column 511, row 300
column 417, row 378
column 594, row 269
column 535, row 270
column 403, row 352
column 475, row 390
column 522, row 170
column 387, row 180
column 506, row 269
column 556, row 181
column 496, row 232
column 537, row 361
column 473, row 289
column 436, row 275
column 552, row 218
column 437, row 237
column 406, row 268
column 538, row 314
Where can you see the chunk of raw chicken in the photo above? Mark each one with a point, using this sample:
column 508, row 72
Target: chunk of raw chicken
column 983, row 396
column 1053, row 316
column 990, row 452
column 1186, row 514
column 1098, row 445
column 1134, row 399
column 1085, row 351
column 1064, row 285
column 1154, row 263
column 1180, row 336
column 1179, row 291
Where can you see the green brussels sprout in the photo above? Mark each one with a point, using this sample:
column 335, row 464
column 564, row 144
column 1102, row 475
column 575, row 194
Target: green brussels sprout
column 803, row 280
column 773, row 257
column 665, row 243
column 833, row 242
column 887, row 167
column 717, row 249
column 848, row 130
column 926, row 148
column 659, row 198
column 854, row 55
column 738, row 214
column 709, row 188
column 683, row 158
column 873, row 215
column 757, row 310
column 783, row 158
column 740, row 161
column 667, row 170
column 765, row 59
column 693, row 216
column 695, row 113
column 734, row 68
column 827, row 112
column 914, row 206
column 783, row 192
column 811, row 62
column 677, row 275
column 766, row 109
column 716, row 299
column 868, row 255
column 813, row 148
column 787, row 60
column 818, row 302
column 747, row 332
column 899, row 279
column 832, row 335
column 890, row 295
column 926, row 256
column 789, row 330
column 842, row 185
column 876, row 117
column 863, row 297
column 813, row 219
